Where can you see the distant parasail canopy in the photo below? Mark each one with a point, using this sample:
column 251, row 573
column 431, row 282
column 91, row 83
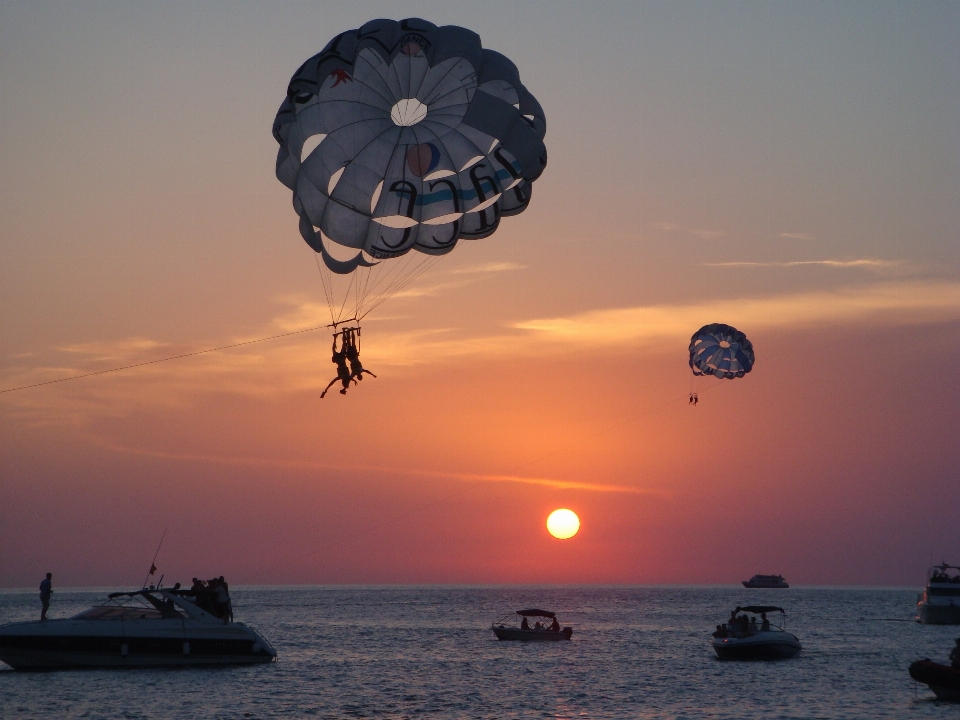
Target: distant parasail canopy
column 722, row 351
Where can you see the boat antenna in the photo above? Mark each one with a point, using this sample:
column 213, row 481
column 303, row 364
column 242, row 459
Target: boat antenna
column 153, row 564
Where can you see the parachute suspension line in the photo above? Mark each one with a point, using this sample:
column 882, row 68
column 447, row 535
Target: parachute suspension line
column 346, row 295
column 386, row 278
column 402, row 281
column 403, row 277
column 327, row 292
column 423, row 267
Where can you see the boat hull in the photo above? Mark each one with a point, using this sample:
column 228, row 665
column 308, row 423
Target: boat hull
column 508, row 633
column 762, row 646
column 936, row 614
column 59, row 644
column 944, row 680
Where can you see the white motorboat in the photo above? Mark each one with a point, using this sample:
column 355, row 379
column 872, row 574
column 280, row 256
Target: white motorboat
column 540, row 631
column 939, row 604
column 766, row 581
column 745, row 639
column 145, row 628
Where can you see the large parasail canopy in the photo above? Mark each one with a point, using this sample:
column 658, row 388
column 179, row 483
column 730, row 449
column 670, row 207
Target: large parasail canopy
column 405, row 136
column 722, row 351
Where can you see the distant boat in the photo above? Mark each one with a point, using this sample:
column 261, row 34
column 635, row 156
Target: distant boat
column 742, row 640
column 939, row 604
column 766, row 581
column 145, row 628
column 540, row 632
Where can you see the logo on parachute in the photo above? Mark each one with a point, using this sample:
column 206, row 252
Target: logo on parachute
column 340, row 76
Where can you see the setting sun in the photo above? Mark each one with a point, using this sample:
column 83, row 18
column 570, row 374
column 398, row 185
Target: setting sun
column 563, row 524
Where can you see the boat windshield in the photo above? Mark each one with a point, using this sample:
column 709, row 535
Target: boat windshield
column 118, row 612
column 133, row 606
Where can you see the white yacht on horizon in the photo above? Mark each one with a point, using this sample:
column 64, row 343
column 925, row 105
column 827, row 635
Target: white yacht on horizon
column 939, row 603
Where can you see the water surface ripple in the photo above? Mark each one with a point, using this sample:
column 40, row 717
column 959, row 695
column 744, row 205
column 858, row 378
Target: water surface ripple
column 428, row 652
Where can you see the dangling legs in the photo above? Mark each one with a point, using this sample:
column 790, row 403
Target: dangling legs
column 329, row 386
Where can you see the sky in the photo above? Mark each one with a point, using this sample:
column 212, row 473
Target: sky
column 792, row 169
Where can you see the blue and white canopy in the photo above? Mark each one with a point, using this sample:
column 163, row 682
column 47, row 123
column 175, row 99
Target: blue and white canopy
column 722, row 351
column 404, row 135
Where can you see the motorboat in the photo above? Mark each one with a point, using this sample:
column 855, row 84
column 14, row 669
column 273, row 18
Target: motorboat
column 144, row 628
column 939, row 603
column 745, row 639
column 766, row 581
column 540, row 631
column 944, row 680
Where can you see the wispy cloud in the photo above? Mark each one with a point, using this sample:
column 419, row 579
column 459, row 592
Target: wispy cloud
column 299, row 363
column 797, row 236
column 862, row 263
column 287, row 463
column 903, row 303
column 490, row 267
column 674, row 227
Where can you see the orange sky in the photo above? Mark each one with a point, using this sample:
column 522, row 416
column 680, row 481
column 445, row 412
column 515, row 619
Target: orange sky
column 707, row 164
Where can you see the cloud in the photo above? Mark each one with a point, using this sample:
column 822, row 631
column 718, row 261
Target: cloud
column 297, row 363
column 489, row 267
column 705, row 234
column 891, row 303
column 286, row 463
column 797, row 236
column 862, row 263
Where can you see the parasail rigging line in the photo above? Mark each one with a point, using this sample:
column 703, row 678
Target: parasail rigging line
column 176, row 357
column 400, row 283
column 153, row 563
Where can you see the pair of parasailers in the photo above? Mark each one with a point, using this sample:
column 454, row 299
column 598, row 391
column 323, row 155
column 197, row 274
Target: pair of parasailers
column 348, row 353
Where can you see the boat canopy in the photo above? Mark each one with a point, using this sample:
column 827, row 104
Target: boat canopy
column 760, row 609
column 534, row 612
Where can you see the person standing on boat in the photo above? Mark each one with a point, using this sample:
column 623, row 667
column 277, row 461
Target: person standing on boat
column 764, row 623
column 46, row 590
column 955, row 655
column 524, row 625
column 555, row 626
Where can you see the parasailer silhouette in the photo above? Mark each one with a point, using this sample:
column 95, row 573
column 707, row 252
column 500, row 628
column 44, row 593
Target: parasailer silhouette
column 352, row 350
column 340, row 360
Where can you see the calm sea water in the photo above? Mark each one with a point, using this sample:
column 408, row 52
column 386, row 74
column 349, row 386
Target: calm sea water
column 428, row 652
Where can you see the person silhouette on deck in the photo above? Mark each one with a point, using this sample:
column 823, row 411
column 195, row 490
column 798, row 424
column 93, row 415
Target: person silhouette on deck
column 46, row 589
column 340, row 360
column 353, row 354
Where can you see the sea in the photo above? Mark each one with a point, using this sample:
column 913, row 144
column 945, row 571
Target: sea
column 428, row 652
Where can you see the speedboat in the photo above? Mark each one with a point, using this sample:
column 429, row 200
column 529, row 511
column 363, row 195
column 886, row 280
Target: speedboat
column 766, row 581
column 939, row 604
column 540, row 631
column 144, row 628
column 743, row 639
column 944, row 680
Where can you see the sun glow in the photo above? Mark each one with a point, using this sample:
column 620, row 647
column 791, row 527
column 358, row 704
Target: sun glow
column 563, row 524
